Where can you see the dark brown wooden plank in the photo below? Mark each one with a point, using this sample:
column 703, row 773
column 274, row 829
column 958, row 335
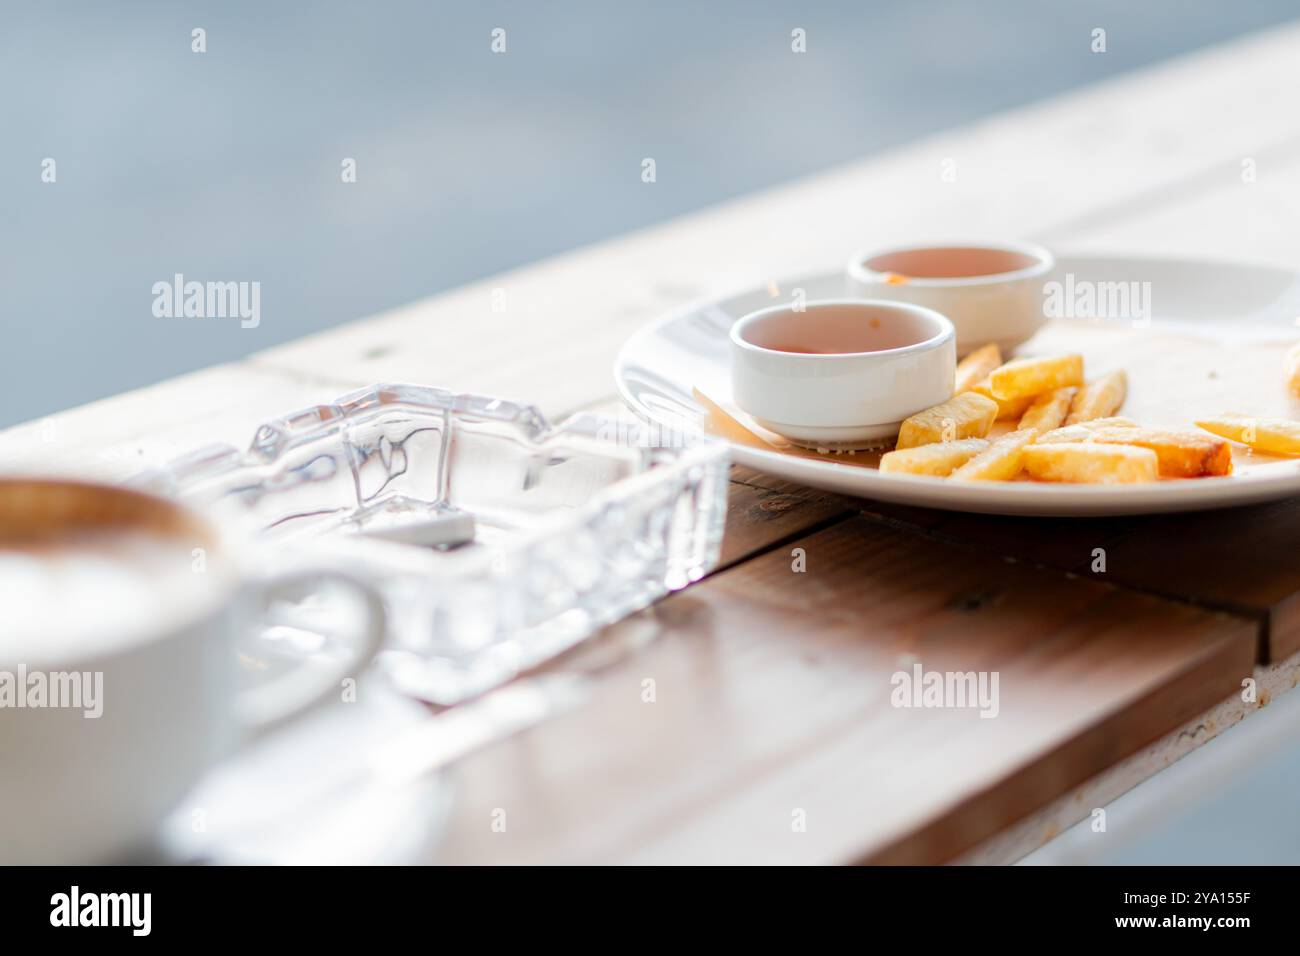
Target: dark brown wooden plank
column 1244, row 561
column 772, row 699
column 762, row 510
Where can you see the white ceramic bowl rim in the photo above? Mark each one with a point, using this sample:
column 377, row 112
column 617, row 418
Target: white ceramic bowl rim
column 1044, row 262
column 940, row 321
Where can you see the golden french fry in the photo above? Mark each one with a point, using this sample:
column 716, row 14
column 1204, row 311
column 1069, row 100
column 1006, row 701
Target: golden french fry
column 976, row 366
column 938, row 459
column 1033, row 376
column 968, row 415
column 1293, row 370
column 1010, row 408
column 1179, row 454
column 1001, row 461
column 1277, row 436
column 1083, row 430
column 1048, row 410
column 1091, row 463
column 1100, row 398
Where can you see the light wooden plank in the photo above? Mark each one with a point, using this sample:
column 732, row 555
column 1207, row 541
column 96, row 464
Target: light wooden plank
column 1243, row 208
column 121, row 436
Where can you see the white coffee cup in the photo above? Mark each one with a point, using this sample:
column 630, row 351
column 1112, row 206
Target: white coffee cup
column 990, row 291
column 81, row 787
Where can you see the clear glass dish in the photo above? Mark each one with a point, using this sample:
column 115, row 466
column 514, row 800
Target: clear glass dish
column 575, row 525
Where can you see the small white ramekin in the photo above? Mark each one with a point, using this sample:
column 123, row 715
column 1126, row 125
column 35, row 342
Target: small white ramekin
column 998, row 299
column 875, row 363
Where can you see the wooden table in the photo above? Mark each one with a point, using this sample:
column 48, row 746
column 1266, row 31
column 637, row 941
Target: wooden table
column 771, row 737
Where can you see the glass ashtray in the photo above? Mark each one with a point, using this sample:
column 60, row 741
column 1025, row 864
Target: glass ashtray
column 550, row 532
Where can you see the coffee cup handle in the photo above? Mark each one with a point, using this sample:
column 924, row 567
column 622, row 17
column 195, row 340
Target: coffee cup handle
column 272, row 705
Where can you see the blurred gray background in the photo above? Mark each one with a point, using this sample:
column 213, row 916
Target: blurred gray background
column 225, row 165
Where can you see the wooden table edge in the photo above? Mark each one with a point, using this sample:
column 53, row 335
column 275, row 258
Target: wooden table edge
column 1044, row 824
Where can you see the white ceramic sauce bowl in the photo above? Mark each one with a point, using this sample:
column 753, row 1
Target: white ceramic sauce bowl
column 841, row 373
column 991, row 291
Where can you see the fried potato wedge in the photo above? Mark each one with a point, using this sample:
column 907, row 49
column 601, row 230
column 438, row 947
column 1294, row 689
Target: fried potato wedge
column 938, row 459
column 1091, row 463
column 1277, row 436
column 1001, row 461
column 1083, row 430
column 1048, row 410
column 1010, row 408
column 1100, row 398
column 1033, row 376
column 975, row 367
column 968, row 415
column 1179, row 454
column 1293, row 370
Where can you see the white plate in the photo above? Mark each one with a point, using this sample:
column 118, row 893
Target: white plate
column 1214, row 344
